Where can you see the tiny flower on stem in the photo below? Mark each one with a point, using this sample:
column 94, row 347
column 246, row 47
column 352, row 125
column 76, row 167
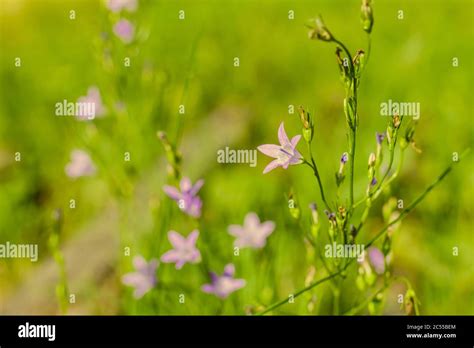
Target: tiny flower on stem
column 340, row 175
column 343, row 161
column 376, row 260
column 187, row 199
column 222, row 286
column 184, row 251
column 80, row 165
column 144, row 278
column 285, row 153
column 124, row 30
column 252, row 234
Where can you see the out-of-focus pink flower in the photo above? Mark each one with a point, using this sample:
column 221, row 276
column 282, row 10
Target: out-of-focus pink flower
column 92, row 97
column 376, row 260
column 222, row 286
column 144, row 278
column 285, row 153
column 80, row 165
column 119, row 5
column 253, row 233
column 124, row 30
column 184, row 249
column 188, row 200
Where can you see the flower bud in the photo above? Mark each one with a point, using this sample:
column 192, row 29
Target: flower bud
column 366, row 16
column 342, row 163
column 372, row 159
column 314, row 220
column 359, row 61
column 172, row 155
column 308, row 126
column 319, row 31
column 293, row 206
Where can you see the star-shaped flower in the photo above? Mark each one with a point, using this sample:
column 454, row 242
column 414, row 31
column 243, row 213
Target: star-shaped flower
column 253, row 233
column 284, row 154
column 144, row 278
column 188, row 200
column 184, row 249
column 222, row 286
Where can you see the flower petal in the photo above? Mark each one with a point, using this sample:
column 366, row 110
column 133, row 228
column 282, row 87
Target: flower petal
column 235, row 230
column 271, row 150
column 251, row 220
column 170, row 256
column 282, row 137
column 172, row 192
column 295, row 140
column 229, row 270
column 176, row 239
column 208, row 288
column 272, row 165
column 197, row 186
column 185, row 184
column 139, row 263
column 192, row 238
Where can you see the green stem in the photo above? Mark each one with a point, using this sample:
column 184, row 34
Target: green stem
column 417, row 200
column 380, row 234
column 316, row 174
column 363, row 304
column 309, row 287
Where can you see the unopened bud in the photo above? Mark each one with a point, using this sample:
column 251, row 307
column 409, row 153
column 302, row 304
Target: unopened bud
column 308, row 126
column 372, row 159
column 366, row 16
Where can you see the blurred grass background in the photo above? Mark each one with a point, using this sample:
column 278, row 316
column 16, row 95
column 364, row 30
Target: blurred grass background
column 190, row 62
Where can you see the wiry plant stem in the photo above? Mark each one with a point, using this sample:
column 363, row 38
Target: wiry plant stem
column 402, row 215
column 313, row 166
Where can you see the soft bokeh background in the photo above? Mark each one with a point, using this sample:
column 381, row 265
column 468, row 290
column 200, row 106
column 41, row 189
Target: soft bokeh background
column 190, row 62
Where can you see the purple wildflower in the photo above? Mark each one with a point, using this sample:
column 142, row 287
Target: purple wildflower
column 93, row 97
column 343, row 161
column 184, row 249
column 187, row 199
column 118, row 5
column 380, row 137
column 124, row 30
column 222, row 286
column 344, row 158
column 285, row 153
column 373, row 182
column 144, row 278
column 376, row 259
column 331, row 216
column 80, row 165
column 253, row 233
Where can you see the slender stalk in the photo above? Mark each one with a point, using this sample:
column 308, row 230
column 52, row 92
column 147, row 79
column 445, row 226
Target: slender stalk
column 402, row 215
column 312, row 164
column 363, row 304
column 309, row 287
column 353, row 128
